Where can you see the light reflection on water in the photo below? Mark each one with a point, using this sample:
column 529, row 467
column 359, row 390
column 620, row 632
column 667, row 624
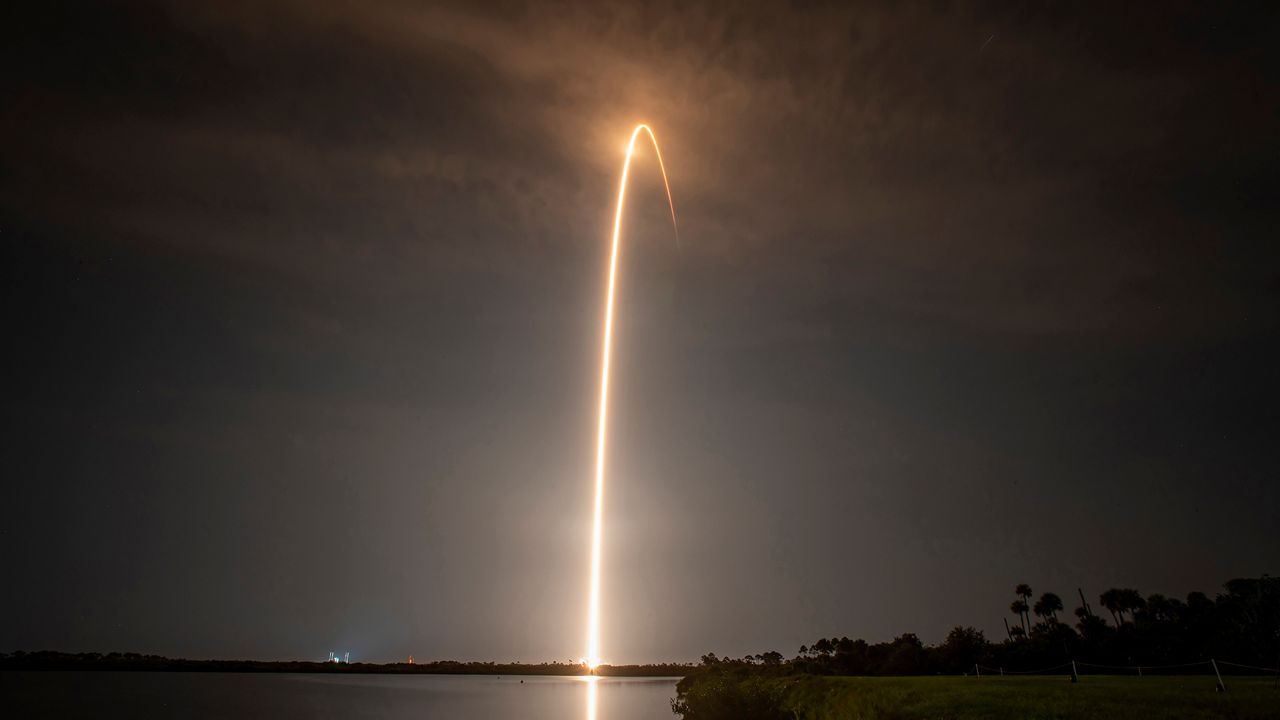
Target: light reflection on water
column 592, row 691
column 144, row 695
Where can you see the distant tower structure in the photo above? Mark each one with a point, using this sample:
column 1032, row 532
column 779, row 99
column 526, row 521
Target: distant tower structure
column 346, row 659
column 331, row 658
column 410, row 658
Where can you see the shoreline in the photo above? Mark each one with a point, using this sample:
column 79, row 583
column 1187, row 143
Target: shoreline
column 49, row 661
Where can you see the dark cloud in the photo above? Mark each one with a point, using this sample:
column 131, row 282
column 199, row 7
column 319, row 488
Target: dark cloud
column 303, row 301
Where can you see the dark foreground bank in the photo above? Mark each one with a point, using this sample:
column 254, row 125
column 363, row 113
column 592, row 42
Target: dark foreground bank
column 753, row 696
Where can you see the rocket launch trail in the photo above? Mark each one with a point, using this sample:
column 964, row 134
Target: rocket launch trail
column 597, row 526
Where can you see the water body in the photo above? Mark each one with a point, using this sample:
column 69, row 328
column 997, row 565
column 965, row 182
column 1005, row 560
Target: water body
column 247, row 695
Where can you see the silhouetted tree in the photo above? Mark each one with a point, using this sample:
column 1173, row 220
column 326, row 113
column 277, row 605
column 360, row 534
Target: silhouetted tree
column 1131, row 600
column 773, row 657
column 844, row 646
column 1161, row 609
column 963, row 647
column 1247, row 618
column 1048, row 606
column 1019, row 608
column 1023, row 590
column 851, row 656
column 1092, row 628
column 1111, row 600
column 906, row 656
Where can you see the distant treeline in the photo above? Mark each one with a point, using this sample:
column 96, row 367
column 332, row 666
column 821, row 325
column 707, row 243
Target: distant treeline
column 1240, row 625
column 50, row 660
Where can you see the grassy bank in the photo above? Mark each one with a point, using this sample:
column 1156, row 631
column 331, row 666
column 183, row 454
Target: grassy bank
column 807, row 697
column 1039, row 697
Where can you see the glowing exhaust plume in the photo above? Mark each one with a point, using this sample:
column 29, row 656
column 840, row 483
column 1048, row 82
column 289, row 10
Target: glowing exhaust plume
column 597, row 527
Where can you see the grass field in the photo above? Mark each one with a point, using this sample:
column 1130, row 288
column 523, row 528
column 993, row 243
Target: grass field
column 1030, row 698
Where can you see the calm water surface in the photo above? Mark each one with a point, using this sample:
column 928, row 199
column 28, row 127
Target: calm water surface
column 252, row 695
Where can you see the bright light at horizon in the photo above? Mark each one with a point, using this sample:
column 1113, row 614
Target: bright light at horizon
column 597, row 526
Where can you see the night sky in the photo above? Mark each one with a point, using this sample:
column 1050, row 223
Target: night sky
column 302, row 310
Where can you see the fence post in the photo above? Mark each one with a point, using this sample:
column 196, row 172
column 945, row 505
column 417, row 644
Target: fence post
column 1002, row 672
column 1075, row 676
column 1221, row 686
column 977, row 670
column 1139, row 671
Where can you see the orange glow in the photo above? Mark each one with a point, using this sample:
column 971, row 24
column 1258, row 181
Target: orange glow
column 597, row 526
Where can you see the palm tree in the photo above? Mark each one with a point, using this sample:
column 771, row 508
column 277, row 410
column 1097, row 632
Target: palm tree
column 1132, row 600
column 1120, row 601
column 1111, row 600
column 1090, row 626
column 1023, row 590
column 1019, row 608
column 1048, row 606
column 1159, row 608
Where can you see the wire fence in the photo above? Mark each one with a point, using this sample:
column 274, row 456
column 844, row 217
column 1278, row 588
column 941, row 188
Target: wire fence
column 1041, row 671
column 1140, row 670
column 1271, row 671
column 1212, row 668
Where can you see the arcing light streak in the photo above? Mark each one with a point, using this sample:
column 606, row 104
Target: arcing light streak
column 597, row 527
